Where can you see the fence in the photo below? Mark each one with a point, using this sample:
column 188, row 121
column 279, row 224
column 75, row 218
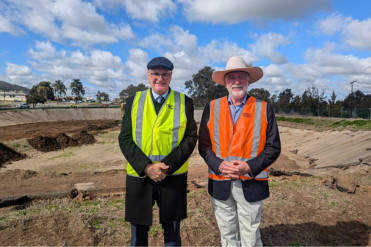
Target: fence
column 364, row 113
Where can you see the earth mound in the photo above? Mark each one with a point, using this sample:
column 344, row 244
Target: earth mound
column 107, row 125
column 65, row 141
column 9, row 154
column 84, row 138
column 61, row 141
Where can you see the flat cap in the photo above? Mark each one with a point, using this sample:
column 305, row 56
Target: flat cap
column 162, row 62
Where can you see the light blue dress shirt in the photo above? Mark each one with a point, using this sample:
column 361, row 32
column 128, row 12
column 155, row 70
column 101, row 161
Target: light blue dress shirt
column 235, row 111
column 165, row 95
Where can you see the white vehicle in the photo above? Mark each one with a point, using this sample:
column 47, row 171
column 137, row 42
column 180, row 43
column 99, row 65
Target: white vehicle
column 23, row 105
column 107, row 102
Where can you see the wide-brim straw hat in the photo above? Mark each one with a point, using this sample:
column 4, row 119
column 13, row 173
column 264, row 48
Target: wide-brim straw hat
column 238, row 64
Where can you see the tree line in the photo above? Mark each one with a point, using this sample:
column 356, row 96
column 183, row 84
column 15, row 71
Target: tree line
column 202, row 89
column 47, row 91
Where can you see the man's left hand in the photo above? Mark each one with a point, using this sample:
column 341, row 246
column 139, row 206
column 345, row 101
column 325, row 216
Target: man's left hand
column 243, row 167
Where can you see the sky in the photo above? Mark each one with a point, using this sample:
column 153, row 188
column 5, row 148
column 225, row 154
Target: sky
column 108, row 43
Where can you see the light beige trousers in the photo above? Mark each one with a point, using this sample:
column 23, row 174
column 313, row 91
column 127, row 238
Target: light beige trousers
column 238, row 220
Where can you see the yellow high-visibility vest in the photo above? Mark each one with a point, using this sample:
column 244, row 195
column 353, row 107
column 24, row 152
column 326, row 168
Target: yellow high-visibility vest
column 158, row 134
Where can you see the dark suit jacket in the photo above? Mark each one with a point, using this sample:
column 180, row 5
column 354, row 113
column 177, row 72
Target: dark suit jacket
column 253, row 190
column 173, row 195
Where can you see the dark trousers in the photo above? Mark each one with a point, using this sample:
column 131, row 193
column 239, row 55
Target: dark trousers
column 139, row 233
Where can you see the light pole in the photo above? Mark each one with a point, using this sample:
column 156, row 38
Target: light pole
column 351, row 111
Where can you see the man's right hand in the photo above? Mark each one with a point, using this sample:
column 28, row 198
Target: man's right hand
column 229, row 169
column 154, row 171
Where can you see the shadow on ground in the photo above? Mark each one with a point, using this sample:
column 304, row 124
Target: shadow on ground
column 352, row 233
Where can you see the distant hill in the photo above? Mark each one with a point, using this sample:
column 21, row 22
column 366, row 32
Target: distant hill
column 12, row 87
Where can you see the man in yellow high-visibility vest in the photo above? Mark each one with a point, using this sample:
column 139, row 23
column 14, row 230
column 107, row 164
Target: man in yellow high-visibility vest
column 157, row 137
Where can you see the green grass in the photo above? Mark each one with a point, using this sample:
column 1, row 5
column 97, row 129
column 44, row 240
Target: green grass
column 64, row 155
column 296, row 243
column 328, row 122
column 295, row 120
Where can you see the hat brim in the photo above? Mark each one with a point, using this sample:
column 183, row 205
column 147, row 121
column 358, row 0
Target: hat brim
column 256, row 73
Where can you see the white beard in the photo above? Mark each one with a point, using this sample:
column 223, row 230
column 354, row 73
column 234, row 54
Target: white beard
column 237, row 94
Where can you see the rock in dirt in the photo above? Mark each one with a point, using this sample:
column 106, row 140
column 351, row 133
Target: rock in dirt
column 9, row 154
column 328, row 182
column 84, row 138
column 346, row 184
column 74, row 193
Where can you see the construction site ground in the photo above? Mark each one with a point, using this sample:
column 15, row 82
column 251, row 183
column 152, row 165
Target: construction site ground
column 300, row 211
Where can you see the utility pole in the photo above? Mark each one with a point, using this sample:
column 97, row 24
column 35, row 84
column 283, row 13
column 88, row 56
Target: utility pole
column 351, row 100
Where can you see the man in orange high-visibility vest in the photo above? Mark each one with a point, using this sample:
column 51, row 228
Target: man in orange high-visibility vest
column 238, row 139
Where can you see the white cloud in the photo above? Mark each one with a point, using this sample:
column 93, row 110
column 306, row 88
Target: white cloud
column 65, row 20
column 147, row 10
column 7, row 27
column 137, row 64
column 44, row 50
column 221, row 11
column 273, row 71
column 267, row 44
column 357, row 34
column 331, row 24
column 221, row 51
column 17, row 70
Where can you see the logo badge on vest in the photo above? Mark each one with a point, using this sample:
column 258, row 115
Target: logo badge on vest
column 246, row 114
column 169, row 106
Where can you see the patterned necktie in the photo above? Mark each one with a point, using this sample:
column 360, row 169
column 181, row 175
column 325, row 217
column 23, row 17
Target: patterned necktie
column 160, row 100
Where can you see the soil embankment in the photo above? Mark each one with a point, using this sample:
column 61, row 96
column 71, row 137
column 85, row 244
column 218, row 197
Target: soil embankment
column 50, row 115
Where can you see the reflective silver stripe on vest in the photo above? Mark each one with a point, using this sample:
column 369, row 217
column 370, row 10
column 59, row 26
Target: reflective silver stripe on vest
column 176, row 126
column 216, row 111
column 140, row 113
column 257, row 128
column 156, row 157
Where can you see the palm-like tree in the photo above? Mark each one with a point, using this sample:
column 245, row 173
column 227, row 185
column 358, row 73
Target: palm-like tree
column 77, row 88
column 59, row 88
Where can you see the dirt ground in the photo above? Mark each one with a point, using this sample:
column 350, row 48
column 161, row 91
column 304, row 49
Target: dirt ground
column 300, row 211
column 15, row 132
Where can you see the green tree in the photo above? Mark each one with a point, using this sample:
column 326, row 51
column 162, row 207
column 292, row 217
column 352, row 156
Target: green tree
column 34, row 99
column 44, row 88
column 132, row 89
column 285, row 98
column 59, row 88
column 332, row 100
column 105, row 96
column 260, row 93
column 77, row 89
column 202, row 89
column 99, row 96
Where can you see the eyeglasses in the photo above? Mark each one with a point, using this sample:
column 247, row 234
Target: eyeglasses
column 164, row 76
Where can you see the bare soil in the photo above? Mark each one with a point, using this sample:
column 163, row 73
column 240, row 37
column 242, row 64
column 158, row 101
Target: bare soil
column 15, row 132
column 300, row 211
column 8, row 154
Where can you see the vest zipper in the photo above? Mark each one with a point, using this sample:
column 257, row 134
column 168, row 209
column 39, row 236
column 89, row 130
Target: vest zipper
column 156, row 121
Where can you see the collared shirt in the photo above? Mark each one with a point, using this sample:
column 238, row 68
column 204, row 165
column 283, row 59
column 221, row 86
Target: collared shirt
column 235, row 111
column 165, row 95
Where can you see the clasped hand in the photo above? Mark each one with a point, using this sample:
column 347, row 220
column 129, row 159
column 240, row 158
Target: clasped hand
column 156, row 172
column 234, row 168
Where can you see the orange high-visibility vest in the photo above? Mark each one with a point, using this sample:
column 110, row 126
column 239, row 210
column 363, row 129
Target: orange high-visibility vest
column 244, row 140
